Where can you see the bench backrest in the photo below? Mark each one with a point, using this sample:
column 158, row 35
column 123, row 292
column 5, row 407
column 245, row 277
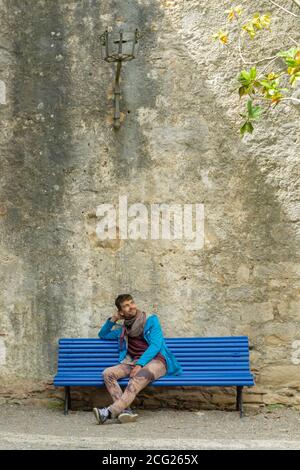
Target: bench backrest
column 84, row 355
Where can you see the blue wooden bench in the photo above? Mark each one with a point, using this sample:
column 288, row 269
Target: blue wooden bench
column 222, row 361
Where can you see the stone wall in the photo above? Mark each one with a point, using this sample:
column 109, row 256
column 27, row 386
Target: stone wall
column 178, row 143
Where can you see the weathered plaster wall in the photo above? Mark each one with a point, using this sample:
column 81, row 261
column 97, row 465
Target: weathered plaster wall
column 178, row 143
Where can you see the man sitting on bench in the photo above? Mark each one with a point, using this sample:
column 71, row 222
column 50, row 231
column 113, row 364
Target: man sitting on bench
column 143, row 356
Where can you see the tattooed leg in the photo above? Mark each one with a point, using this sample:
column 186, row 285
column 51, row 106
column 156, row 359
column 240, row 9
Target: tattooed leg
column 151, row 371
column 111, row 376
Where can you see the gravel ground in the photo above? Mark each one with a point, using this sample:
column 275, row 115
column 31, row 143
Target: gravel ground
column 30, row 427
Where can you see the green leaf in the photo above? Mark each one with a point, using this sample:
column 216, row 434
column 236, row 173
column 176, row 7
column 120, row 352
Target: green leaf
column 265, row 84
column 290, row 53
column 254, row 112
column 291, row 62
column 253, row 73
column 294, row 78
column 243, row 90
column 244, row 77
column 246, row 127
column 249, row 107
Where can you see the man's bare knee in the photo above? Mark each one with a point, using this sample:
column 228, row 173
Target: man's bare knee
column 107, row 374
column 140, row 380
column 145, row 374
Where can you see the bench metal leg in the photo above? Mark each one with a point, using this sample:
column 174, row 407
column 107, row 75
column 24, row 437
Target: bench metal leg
column 67, row 400
column 239, row 400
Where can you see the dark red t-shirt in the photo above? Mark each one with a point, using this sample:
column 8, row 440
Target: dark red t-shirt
column 137, row 346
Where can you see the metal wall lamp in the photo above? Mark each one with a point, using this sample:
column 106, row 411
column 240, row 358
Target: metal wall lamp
column 118, row 47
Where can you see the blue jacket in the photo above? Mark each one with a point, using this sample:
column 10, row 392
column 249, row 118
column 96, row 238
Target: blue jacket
column 154, row 337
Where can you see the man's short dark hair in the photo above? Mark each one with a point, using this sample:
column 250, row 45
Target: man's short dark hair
column 121, row 298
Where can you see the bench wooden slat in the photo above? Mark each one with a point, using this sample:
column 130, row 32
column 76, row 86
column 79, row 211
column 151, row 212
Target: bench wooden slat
column 180, row 339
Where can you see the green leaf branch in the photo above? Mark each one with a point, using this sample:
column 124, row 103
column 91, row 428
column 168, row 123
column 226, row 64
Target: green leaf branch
column 264, row 88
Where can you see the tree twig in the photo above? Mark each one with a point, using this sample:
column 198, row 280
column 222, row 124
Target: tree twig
column 293, row 40
column 257, row 61
column 297, row 2
column 263, row 99
column 285, row 9
column 290, row 98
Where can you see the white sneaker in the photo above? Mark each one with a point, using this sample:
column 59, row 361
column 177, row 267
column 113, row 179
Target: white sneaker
column 101, row 415
column 127, row 416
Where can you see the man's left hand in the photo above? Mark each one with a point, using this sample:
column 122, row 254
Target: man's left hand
column 135, row 370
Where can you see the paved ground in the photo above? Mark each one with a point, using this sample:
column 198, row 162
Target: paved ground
column 28, row 427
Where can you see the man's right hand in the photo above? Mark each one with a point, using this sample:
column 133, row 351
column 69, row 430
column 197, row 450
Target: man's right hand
column 117, row 316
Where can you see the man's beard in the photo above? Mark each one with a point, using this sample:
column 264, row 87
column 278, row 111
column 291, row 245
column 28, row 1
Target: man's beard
column 128, row 322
